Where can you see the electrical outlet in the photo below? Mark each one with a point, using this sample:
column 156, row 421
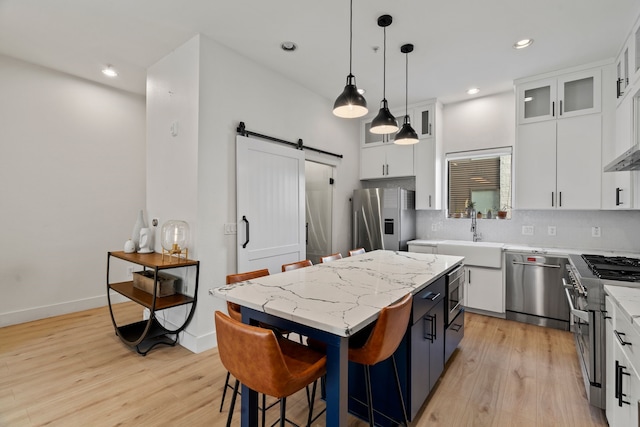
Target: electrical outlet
column 230, row 228
column 595, row 231
column 527, row 230
column 130, row 272
column 155, row 222
column 434, row 227
column 551, row 230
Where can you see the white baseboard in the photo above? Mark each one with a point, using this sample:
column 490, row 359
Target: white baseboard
column 43, row 312
column 196, row 344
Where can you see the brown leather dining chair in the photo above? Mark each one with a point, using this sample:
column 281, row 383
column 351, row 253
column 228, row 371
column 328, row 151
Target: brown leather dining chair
column 332, row 257
column 267, row 363
column 382, row 342
column 358, row 251
column 235, row 313
column 296, row 265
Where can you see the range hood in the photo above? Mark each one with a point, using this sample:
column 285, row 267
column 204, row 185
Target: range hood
column 627, row 161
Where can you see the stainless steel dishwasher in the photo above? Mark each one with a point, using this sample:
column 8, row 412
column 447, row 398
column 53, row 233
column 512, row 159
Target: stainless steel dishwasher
column 534, row 291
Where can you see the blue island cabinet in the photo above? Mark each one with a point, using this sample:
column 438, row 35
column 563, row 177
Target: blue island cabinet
column 420, row 360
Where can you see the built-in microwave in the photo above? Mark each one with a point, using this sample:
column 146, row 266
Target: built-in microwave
column 455, row 293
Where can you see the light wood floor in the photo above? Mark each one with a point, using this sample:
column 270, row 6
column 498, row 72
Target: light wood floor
column 73, row 371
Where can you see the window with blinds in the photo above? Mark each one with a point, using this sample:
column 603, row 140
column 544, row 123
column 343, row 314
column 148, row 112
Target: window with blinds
column 480, row 182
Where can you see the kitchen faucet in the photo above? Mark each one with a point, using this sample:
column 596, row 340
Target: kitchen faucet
column 474, row 225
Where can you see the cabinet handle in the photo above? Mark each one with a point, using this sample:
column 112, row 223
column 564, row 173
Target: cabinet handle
column 383, row 169
column 244, row 218
column 560, row 109
column 553, row 109
column 620, row 336
column 429, row 128
column 619, row 88
column 469, row 282
column 429, row 200
column 431, row 335
column 559, row 199
column 618, row 202
column 604, row 314
column 616, row 388
column 387, row 169
column 620, row 394
column 552, row 205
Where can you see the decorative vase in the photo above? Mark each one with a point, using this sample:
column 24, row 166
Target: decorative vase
column 139, row 225
column 145, row 241
column 129, row 247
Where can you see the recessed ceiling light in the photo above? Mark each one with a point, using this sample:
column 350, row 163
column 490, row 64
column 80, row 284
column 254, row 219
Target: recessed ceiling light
column 288, row 46
column 473, row 91
column 521, row 44
column 109, row 71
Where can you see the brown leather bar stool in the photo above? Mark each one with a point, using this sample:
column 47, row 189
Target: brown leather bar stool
column 284, row 367
column 332, row 257
column 296, row 265
column 385, row 337
column 235, row 313
column 358, row 251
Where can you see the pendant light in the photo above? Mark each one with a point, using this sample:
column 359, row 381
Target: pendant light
column 350, row 104
column 384, row 122
column 406, row 135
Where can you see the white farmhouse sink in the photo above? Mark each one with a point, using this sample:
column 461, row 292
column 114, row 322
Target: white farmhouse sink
column 481, row 254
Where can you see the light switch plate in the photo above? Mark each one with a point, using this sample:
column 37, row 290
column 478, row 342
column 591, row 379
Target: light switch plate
column 551, row 230
column 595, row 232
column 231, row 228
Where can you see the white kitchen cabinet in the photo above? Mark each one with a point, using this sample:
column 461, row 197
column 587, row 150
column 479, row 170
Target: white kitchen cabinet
column 623, row 70
column 386, row 161
column 425, row 120
column 428, row 156
column 558, row 164
column 559, row 97
column 368, row 139
column 622, row 379
column 484, row 290
column 617, row 187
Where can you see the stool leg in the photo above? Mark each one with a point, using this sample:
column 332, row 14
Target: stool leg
column 233, row 403
column 404, row 410
column 313, row 397
column 283, row 411
column 224, row 390
column 367, row 381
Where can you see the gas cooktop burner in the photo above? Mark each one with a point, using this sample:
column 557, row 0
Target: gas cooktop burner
column 614, row 268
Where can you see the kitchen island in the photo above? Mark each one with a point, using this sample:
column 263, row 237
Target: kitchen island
column 331, row 302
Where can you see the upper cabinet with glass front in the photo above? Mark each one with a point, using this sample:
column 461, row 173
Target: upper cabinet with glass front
column 567, row 95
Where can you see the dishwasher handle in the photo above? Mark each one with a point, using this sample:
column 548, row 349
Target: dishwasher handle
column 580, row 314
column 536, row 264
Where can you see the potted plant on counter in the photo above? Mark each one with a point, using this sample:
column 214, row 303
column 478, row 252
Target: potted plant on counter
column 502, row 213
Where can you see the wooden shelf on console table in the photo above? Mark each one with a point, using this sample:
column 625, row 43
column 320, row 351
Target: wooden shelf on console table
column 147, row 334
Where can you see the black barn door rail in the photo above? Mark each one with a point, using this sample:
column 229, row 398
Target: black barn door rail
column 242, row 130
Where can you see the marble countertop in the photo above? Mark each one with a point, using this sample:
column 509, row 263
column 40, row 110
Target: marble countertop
column 532, row 249
column 342, row 296
column 628, row 300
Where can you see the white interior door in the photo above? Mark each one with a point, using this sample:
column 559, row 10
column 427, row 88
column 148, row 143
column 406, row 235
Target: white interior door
column 270, row 205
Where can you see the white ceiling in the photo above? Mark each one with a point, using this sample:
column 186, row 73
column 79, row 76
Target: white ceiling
column 458, row 43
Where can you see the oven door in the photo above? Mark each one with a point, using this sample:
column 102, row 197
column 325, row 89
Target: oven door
column 583, row 325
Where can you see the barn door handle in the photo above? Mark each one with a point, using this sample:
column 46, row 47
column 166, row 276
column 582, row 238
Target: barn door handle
column 244, row 218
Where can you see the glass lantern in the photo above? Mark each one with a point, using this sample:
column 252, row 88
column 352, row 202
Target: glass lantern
column 174, row 237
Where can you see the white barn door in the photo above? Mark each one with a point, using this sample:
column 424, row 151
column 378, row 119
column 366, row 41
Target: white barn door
column 270, row 205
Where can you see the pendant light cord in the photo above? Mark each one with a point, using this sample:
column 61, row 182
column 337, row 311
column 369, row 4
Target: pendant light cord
column 406, row 86
column 350, row 35
column 384, row 66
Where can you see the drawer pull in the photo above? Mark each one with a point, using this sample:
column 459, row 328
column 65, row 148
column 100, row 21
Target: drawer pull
column 620, row 337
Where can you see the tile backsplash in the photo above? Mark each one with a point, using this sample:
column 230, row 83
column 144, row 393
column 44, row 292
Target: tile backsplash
column 619, row 230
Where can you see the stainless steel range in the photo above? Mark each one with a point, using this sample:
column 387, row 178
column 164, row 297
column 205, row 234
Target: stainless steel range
column 585, row 293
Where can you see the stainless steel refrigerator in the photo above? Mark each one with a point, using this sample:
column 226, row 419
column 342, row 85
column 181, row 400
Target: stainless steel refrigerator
column 383, row 218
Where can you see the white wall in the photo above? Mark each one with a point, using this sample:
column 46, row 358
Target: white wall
column 232, row 88
column 72, row 165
